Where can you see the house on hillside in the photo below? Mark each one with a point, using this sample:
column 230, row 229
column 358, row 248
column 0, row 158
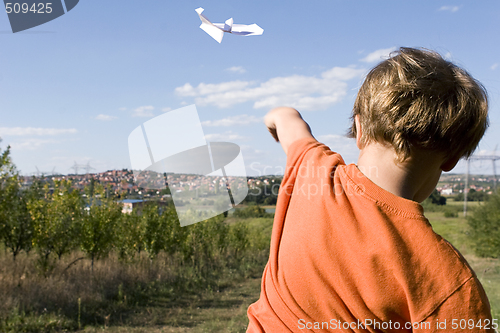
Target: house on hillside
column 447, row 191
column 130, row 205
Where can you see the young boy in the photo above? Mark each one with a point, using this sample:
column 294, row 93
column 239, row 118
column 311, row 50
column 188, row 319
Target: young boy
column 351, row 250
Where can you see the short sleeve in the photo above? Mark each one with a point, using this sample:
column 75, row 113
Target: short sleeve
column 466, row 310
column 298, row 148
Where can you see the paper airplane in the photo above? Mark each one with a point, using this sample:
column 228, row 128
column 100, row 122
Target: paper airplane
column 217, row 30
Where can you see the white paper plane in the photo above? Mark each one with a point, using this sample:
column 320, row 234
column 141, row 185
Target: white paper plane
column 216, row 30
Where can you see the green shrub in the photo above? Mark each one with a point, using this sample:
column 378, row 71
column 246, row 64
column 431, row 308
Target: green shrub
column 450, row 213
column 251, row 211
column 437, row 199
column 484, row 226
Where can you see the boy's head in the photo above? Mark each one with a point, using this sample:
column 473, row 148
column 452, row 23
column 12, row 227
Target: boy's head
column 417, row 100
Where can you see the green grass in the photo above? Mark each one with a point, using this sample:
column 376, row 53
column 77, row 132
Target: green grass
column 223, row 311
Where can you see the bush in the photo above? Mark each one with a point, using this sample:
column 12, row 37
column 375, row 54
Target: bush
column 251, row 211
column 450, row 213
column 437, row 199
column 473, row 195
column 484, row 226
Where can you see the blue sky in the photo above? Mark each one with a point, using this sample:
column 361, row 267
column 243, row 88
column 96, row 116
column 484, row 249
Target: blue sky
column 74, row 88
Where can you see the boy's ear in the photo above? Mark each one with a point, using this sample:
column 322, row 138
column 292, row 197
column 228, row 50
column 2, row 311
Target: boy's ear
column 358, row 131
column 449, row 164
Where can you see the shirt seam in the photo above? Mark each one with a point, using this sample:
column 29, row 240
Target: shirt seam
column 382, row 204
column 445, row 299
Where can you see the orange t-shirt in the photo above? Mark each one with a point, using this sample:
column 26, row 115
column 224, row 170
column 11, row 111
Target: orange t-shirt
column 348, row 256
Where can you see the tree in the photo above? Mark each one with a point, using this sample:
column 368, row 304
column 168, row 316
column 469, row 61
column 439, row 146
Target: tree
column 484, row 226
column 97, row 230
column 156, row 231
column 56, row 221
column 175, row 234
column 16, row 229
column 437, row 199
column 130, row 238
column 473, row 195
column 251, row 211
column 205, row 243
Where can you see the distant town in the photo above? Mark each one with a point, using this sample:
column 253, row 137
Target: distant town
column 454, row 184
column 155, row 185
column 151, row 184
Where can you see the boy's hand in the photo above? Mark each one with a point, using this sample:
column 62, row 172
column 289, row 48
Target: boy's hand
column 286, row 126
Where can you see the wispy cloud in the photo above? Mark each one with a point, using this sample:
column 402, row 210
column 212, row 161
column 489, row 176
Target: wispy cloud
column 236, row 69
column 143, row 111
column 38, row 131
column 494, row 66
column 105, row 117
column 452, row 9
column 31, row 144
column 378, row 55
column 233, row 121
column 166, row 109
column 303, row 92
column 227, row 136
column 211, row 88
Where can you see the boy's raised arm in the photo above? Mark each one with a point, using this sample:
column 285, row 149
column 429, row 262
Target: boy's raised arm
column 286, row 126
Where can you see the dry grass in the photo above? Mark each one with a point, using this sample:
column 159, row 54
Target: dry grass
column 24, row 287
column 141, row 293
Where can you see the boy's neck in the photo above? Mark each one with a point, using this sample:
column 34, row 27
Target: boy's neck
column 414, row 179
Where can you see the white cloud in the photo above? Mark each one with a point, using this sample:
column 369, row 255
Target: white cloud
column 166, row 109
column 378, row 55
column 236, row 69
column 494, row 66
column 143, row 111
column 24, row 131
column 250, row 151
column 227, row 137
column 299, row 91
column 30, row 144
column 452, row 9
column 210, row 88
column 242, row 119
column 105, row 117
column 448, row 56
column 122, row 109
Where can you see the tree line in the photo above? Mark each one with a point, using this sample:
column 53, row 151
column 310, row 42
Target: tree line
column 53, row 222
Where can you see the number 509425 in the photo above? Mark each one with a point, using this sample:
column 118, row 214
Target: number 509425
column 36, row 8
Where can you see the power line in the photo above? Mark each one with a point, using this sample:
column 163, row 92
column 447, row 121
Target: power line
column 492, row 158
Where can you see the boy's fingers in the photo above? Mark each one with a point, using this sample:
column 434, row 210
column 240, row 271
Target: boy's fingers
column 274, row 133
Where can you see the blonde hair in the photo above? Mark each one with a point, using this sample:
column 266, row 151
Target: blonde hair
column 416, row 99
